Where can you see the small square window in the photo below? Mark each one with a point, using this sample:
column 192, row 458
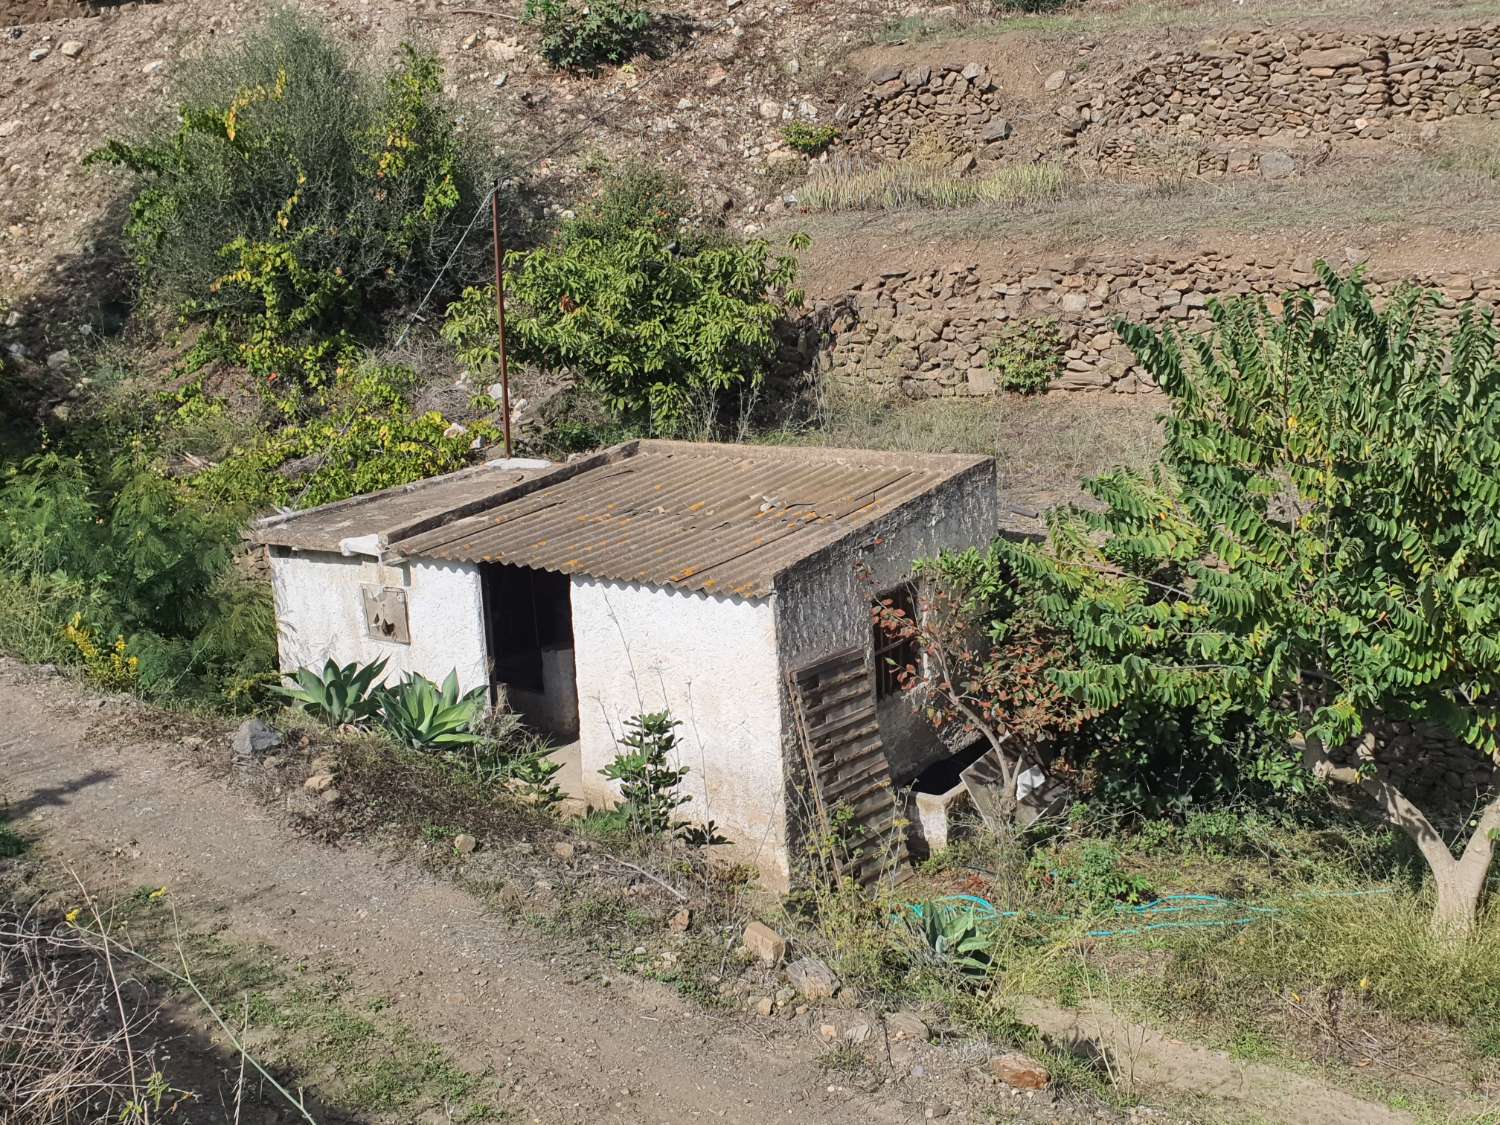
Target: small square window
column 893, row 654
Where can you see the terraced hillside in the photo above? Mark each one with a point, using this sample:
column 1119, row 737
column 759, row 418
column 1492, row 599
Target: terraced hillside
column 994, row 187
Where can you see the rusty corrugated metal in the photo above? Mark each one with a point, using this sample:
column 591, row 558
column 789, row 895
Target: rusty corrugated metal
column 718, row 519
column 322, row 528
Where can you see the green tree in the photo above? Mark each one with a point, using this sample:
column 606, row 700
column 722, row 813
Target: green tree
column 648, row 779
column 654, row 315
column 1319, row 547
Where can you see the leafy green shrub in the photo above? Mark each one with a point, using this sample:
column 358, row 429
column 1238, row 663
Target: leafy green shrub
column 425, row 716
column 112, row 668
column 577, row 424
column 337, row 695
column 584, row 36
column 1027, row 355
column 633, row 197
column 648, row 780
column 656, row 331
column 656, row 315
column 367, row 438
column 808, row 138
column 296, row 197
column 114, row 549
column 1092, row 880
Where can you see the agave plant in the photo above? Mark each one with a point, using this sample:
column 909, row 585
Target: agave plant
column 339, row 694
column 427, row 717
column 955, row 937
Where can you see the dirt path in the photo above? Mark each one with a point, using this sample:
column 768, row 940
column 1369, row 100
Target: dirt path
column 1144, row 1057
column 127, row 815
column 125, row 811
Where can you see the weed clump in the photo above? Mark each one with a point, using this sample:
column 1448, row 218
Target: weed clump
column 809, row 139
column 586, row 36
column 297, row 197
column 1027, row 356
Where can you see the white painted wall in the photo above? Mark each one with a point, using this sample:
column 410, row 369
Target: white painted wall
column 712, row 663
column 320, row 614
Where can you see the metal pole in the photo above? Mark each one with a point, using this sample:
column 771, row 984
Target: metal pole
column 500, row 311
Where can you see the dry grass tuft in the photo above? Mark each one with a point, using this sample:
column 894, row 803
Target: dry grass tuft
column 846, row 186
column 70, row 1036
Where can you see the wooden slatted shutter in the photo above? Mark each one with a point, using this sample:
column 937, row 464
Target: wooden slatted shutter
column 839, row 731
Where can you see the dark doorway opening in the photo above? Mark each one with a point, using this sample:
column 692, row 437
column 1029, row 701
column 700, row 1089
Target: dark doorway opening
column 529, row 633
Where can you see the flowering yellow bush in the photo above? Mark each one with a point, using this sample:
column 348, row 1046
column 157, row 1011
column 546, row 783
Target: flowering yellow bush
column 113, row 668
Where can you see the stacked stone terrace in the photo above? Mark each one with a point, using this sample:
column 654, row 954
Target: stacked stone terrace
column 931, row 333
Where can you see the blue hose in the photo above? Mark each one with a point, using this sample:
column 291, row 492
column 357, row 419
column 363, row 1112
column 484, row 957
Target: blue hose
column 1166, row 904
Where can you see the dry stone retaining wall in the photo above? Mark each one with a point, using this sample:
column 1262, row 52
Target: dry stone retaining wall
column 1445, row 777
column 1320, row 84
column 1306, row 82
column 956, row 105
column 929, row 333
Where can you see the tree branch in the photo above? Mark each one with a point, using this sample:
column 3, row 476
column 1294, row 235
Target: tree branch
column 1479, row 852
column 959, row 703
column 1398, row 809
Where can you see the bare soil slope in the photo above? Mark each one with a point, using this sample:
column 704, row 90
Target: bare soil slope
column 129, row 813
column 129, row 810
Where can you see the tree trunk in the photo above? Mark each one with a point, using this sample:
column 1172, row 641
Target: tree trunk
column 1459, row 881
column 1457, row 903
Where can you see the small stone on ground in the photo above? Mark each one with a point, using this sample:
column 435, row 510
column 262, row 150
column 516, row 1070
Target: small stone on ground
column 812, row 978
column 764, row 943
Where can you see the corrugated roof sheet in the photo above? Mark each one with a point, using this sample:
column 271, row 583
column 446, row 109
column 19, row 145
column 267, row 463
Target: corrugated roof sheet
column 393, row 512
column 723, row 519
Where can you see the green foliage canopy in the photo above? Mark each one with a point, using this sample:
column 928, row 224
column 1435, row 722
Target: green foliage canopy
column 1322, row 540
column 655, row 316
column 1319, row 548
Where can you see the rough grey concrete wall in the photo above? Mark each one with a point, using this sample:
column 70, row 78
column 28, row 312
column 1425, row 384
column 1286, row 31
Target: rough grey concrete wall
column 823, row 606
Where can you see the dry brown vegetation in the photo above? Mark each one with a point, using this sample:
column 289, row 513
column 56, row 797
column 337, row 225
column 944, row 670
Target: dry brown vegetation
column 1044, row 445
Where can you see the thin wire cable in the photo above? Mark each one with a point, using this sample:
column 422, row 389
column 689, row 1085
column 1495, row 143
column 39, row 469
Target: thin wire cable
column 613, row 103
column 438, row 280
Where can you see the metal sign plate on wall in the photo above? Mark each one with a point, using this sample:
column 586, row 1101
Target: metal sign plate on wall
column 385, row 614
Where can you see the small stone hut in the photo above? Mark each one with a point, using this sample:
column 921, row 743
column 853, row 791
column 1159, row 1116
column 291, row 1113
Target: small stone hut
column 691, row 577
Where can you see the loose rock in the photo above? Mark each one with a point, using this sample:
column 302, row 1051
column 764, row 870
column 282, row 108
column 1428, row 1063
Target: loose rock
column 255, row 737
column 1020, row 1072
column 812, row 978
column 764, row 943
column 906, row 1025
